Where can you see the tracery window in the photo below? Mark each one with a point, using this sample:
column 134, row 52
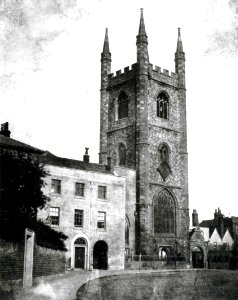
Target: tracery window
column 163, row 106
column 164, row 212
column 122, row 154
column 122, row 105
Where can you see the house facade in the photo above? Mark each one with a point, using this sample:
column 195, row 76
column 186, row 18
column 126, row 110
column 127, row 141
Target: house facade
column 88, row 205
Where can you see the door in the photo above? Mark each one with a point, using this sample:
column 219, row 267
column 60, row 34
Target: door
column 79, row 257
column 197, row 259
column 100, row 255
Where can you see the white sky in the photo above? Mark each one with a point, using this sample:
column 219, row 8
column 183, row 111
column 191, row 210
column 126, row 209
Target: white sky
column 50, row 78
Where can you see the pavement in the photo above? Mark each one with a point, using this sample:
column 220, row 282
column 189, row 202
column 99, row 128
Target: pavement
column 64, row 287
column 61, row 288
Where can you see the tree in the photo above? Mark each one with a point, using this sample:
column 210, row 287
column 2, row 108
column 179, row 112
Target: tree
column 21, row 181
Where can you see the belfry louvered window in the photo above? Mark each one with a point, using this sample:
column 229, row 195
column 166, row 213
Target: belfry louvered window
column 122, row 105
column 162, row 106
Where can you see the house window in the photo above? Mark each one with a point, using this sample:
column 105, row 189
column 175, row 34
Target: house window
column 101, row 220
column 78, row 218
column 122, row 105
column 56, row 186
column 122, row 154
column 162, row 106
column 79, row 189
column 102, row 192
column 54, row 215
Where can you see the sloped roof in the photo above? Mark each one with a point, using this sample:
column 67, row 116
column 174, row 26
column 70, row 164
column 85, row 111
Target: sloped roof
column 51, row 159
column 9, row 143
column 48, row 158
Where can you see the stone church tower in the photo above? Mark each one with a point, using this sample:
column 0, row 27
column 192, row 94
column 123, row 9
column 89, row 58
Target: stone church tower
column 143, row 127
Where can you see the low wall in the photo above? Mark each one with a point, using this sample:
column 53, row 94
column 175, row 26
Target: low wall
column 175, row 284
column 47, row 262
column 12, row 265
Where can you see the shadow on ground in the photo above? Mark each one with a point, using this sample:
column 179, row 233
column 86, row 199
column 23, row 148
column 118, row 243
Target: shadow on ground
column 183, row 285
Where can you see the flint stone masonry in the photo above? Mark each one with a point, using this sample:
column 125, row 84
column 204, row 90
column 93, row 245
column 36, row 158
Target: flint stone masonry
column 142, row 133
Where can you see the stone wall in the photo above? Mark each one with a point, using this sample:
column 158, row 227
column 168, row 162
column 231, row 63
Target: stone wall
column 48, row 262
column 12, row 263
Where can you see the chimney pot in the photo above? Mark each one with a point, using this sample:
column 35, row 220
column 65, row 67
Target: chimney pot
column 4, row 130
column 195, row 221
column 86, row 156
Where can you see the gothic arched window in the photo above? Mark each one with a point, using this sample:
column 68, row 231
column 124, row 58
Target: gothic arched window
column 164, row 212
column 122, row 154
column 162, row 106
column 122, row 105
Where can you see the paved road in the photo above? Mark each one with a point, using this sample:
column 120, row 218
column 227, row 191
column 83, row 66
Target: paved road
column 66, row 286
column 62, row 288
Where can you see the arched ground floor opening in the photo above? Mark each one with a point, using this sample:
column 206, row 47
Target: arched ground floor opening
column 100, row 255
column 197, row 257
column 79, row 252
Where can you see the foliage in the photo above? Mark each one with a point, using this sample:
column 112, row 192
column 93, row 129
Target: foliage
column 21, row 195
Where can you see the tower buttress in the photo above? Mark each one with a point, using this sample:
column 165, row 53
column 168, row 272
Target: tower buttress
column 142, row 133
column 105, row 71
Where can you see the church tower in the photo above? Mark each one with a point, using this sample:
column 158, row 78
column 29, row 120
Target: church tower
column 143, row 127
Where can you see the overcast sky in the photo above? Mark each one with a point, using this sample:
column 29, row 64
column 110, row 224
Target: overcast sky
column 50, row 78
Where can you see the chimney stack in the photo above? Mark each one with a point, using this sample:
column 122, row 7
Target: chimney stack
column 86, row 156
column 4, row 130
column 195, row 218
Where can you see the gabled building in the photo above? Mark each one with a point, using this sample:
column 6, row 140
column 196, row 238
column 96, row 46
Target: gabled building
column 219, row 247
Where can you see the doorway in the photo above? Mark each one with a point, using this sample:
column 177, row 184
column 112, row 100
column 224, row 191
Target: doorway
column 197, row 258
column 100, row 250
column 79, row 253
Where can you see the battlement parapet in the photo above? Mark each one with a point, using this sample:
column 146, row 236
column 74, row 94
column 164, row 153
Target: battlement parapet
column 158, row 70
column 126, row 71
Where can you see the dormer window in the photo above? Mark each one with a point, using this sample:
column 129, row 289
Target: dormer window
column 162, row 106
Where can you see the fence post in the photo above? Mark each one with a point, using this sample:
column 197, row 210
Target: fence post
column 28, row 258
column 139, row 261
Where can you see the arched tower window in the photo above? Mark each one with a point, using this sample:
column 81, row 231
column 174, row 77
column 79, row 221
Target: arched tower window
column 122, row 105
column 162, row 106
column 164, row 212
column 122, row 154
